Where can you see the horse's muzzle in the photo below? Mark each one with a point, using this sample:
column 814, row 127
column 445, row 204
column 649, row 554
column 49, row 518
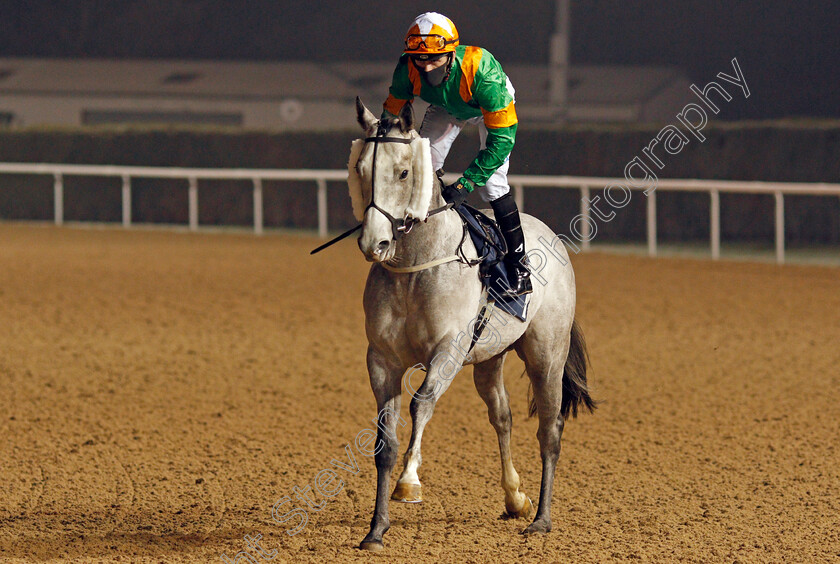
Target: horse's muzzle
column 377, row 240
column 380, row 251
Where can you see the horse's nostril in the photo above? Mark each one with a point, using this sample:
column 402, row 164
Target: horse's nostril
column 383, row 245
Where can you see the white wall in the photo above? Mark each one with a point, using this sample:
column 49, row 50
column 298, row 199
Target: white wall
column 290, row 114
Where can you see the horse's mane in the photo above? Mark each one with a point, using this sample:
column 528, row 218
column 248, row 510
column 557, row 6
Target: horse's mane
column 421, row 192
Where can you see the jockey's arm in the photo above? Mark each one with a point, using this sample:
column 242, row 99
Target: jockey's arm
column 392, row 106
column 400, row 93
column 497, row 149
column 497, row 106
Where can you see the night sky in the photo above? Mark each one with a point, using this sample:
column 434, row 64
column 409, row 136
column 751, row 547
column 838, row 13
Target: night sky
column 789, row 52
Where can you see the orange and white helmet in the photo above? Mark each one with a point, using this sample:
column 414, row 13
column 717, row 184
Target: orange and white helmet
column 431, row 34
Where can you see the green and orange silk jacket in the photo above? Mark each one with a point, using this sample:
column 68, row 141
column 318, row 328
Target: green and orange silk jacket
column 476, row 86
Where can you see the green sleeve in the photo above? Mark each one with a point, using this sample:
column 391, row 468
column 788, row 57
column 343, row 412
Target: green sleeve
column 490, row 86
column 498, row 147
column 492, row 95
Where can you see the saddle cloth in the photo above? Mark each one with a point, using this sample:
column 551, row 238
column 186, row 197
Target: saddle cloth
column 490, row 246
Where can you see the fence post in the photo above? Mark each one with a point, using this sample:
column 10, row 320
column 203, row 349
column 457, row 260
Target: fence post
column 258, row 206
column 126, row 201
column 780, row 228
column 193, row 203
column 322, row 208
column 585, row 212
column 58, row 198
column 519, row 197
column 715, row 226
column 651, row 223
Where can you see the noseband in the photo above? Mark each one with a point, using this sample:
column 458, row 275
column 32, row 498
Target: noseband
column 399, row 227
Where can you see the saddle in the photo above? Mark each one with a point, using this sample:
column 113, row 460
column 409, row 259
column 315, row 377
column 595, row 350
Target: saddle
column 491, row 249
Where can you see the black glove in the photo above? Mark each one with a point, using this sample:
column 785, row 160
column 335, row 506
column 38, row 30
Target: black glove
column 455, row 194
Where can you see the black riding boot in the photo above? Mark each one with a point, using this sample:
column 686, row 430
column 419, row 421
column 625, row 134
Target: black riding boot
column 507, row 216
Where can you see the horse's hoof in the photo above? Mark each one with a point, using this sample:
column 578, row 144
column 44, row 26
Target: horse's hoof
column 372, row 545
column 537, row 528
column 407, row 493
column 523, row 512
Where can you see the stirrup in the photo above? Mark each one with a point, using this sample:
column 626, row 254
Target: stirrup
column 521, row 282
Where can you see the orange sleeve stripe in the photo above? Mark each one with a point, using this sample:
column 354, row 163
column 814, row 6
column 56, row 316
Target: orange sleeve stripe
column 502, row 118
column 414, row 77
column 469, row 66
column 394, row 105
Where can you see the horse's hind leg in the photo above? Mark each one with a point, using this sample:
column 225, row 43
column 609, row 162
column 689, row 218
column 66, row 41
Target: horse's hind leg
column 545, row 370
column 489, row 381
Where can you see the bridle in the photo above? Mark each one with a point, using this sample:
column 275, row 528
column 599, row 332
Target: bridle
column 399, row 227
column 403, row 226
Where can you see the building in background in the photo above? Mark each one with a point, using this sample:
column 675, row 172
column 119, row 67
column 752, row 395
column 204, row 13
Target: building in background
column 296, row 96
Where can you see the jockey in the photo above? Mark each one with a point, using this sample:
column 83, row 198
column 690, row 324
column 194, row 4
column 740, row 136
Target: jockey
column 464, row 85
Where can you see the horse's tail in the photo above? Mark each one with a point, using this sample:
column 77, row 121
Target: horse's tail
column 575, row 388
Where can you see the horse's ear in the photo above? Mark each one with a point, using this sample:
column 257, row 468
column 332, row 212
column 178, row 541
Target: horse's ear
column 365, row 117
column 406, row 117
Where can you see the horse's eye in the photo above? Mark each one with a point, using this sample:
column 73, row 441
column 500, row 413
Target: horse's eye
column 404, row 175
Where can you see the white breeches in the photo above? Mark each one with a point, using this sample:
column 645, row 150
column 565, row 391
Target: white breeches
column 442, row 128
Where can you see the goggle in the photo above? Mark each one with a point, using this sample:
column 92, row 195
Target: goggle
column 413, row 42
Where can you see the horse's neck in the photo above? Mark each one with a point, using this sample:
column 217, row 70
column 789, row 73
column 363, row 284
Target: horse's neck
column 434, row 239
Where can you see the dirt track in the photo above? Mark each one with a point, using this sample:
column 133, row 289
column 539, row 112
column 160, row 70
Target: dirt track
column 159, row 392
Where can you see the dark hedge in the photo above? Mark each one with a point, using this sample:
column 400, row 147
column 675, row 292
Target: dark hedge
column 777, row 152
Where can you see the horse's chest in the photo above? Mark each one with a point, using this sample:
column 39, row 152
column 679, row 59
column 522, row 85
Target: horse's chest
column 413, row 317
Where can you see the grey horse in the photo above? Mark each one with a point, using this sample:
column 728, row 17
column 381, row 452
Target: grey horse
column 421, row 307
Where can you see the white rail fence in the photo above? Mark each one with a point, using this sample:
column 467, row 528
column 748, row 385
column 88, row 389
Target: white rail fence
column 518, row 183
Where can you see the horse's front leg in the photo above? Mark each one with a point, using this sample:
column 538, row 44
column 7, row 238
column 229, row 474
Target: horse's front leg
column 385, row 382
column 442, row 369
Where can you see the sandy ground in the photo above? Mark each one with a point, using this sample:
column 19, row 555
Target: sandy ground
column 160, row 391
